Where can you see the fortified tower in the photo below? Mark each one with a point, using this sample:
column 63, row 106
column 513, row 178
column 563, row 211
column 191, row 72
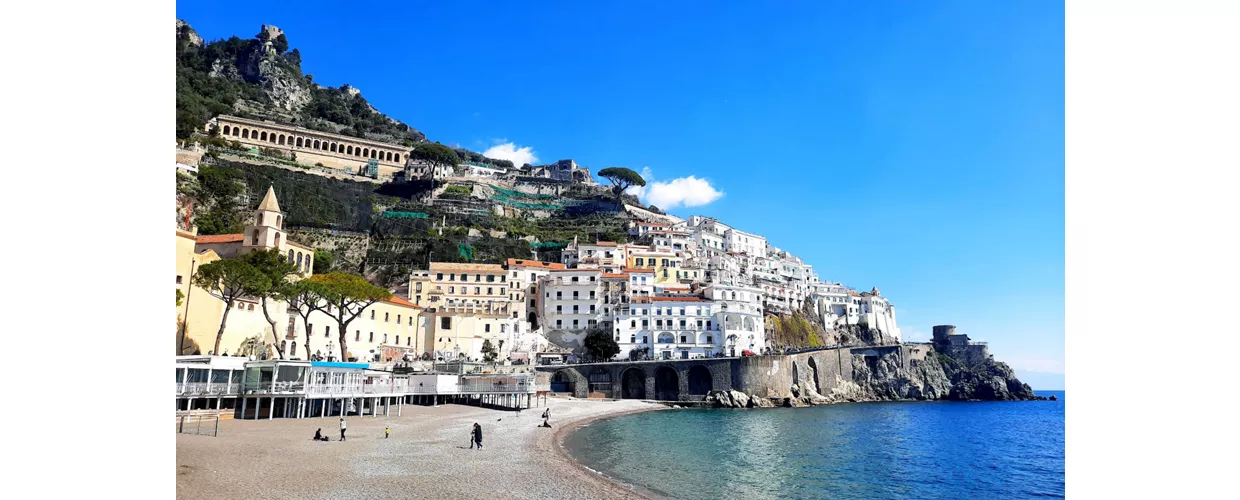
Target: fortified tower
column 941, row 332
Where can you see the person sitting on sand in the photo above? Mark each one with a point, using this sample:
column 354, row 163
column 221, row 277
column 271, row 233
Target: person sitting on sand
column 546, row 424
column 318, row 435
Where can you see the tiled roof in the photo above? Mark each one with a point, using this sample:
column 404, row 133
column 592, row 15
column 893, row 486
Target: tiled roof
column 396, row 299
column 220, row 238
column 604, row 243
column 635, row 270
column 615, row 275
column 534, row 263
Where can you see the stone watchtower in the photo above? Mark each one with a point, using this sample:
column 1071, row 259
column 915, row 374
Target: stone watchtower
column 267, row 231
column 941, row 332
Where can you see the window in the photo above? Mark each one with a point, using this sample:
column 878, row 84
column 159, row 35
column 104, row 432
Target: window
column 559, row 324
column 477, row 290
column 658, row 323
column 398, row 340
column 575, row 294
column 559, row 309
column 592, row 294
column 178, row 279
column 576, row 324
column 372, row 314
column 386, row 316
column 477, row 278
column 445, row 323
column 408, row 341
column 643, row 339
column 398, row 321
column 490, row 278
column 682, row 311
column 632, row 323
column 683, row 339
column 327, row 331
column 486, row 328
column 372, row 336
column 418, row 287
column 591, row 308
column 411, row 318
column 639, row 261
column 438, row 276
column 490, row 290
column 451, row 289
column 385, row 338
column 709, row 340
column 576, row 309
column 502, row 290
column 574, row 280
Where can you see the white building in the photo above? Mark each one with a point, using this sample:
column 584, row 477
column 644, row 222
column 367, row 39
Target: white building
column 604, row 255
column 667, row 328
column 739, row 314
column 570, row 300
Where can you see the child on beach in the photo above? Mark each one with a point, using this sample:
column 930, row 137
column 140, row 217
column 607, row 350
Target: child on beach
column 387, row 432
column 342, row 428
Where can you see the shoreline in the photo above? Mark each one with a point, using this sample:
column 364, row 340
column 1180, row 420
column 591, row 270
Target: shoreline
column 620, row 486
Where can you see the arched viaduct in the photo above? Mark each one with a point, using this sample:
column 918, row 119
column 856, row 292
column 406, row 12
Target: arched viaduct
column 691, row 379
column 312, row 146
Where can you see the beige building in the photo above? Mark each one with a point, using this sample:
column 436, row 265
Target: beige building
column 467, row 305
column 385, row 332
column 311, row 146
column 265, row 233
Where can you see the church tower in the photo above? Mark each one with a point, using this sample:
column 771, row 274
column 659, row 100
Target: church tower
column 267, row 232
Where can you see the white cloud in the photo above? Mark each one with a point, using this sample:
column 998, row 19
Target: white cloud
column 688, row 191
column 510, row 151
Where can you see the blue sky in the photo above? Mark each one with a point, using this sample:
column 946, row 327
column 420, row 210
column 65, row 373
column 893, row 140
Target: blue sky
column 913, row 146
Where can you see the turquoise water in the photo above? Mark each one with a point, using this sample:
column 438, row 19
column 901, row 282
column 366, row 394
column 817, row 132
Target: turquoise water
column 863, row 450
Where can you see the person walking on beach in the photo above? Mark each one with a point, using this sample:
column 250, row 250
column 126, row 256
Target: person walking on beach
column 478, row 435
column 342, row 428
column 387, row 432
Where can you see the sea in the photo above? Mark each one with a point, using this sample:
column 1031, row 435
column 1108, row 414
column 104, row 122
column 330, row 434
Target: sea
column 859, row 450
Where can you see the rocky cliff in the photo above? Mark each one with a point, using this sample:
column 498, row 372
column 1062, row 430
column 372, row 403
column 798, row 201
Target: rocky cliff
column 261, row 77
column 957, row 375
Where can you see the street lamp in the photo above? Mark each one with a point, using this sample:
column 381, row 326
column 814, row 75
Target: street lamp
column 330, row 345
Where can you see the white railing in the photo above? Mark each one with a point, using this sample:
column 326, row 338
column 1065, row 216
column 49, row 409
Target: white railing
column 199, row 388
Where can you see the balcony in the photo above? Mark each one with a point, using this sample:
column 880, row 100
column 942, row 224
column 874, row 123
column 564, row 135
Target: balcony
column 207, row 389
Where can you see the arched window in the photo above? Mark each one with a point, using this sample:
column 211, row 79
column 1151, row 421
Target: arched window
column 316, row 144
column 281, row 139
column 307, row 268
column 245, row 133
column 290, row 255
column 666, row 338
column 277, row 240
column 366, row 152
column 348, row 150
column 298, row 142
column 333, row 147
column 374, row 153
column 254, row 239
column 298, row 258
column 279, row 219
column 398, row 158
column 225, row 130
column 389, row 156
column 263, row 137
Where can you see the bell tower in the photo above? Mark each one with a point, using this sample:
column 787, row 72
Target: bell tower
column 267, row 231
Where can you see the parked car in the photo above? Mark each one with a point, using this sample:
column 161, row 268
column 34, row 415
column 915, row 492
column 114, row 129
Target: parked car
column 747, row 352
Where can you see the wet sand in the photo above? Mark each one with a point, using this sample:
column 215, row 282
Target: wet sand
column 427, row 456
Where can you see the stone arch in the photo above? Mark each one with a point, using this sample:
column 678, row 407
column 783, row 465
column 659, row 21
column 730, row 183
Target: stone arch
column 245, row 133
column 749, row 324
column 600, row 380
column 263, row 137
column 374, row 153
column 397, row 157
column 298, row 258
column 298, row 142
column 796, row 375
column 633, row 384
column 348, row 150
column 365, row 152
column 568, row 380
column 281, row 139
column 666, row 338
column 316, row 144
column 332, row 148
column 813, row 375
column 254, row 238
column 290, row 255
column 666, row 384
column 699, row 381
column 277, row 240
column 308, row 257
column 226, row 129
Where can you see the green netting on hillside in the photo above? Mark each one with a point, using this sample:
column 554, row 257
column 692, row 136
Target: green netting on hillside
column 466, row 251
column 531, row 201
column 405, row 215
column 548, row 244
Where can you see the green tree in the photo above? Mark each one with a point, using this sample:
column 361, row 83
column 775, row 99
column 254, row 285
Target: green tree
column 324, row 261
column 600, row 346
column 437, row 155
column 278, row 271
column 179, row 297
column 229, row 280
column 621, row 179
column 280, row 44
column 346, row 297
column 488, row 351
column 305, row 297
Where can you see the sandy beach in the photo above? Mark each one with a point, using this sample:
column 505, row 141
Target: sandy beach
column 427, row 456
